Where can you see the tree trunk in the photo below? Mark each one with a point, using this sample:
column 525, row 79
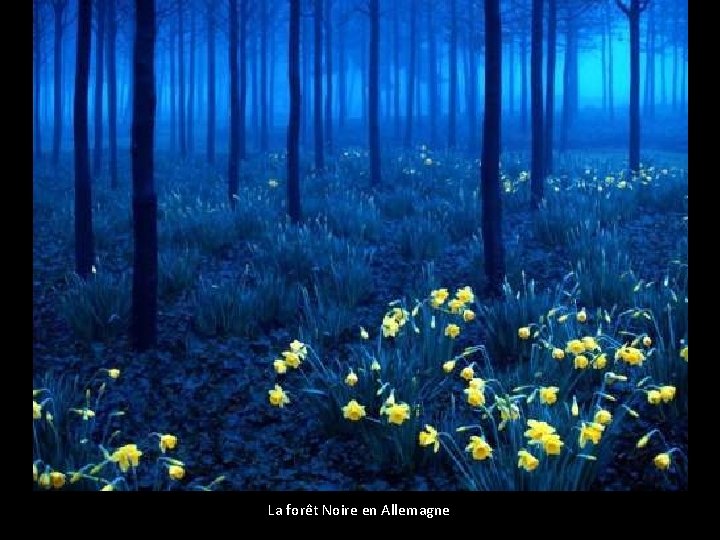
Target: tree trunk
column 271, row 85
column 112, row 91
column 567, row 89
column 181, row 79
column 293, row 133
column 99, row 40
column 432, row 83
column 305, row 109
column 58, row 8
column 210, row 143
column 373, row 90
column 317, row 88
column 611, row 67
column 234, row 156
column 452, row 87
column 683, row 80
column 676, row 17
column 145, row 265
column 396, row 71
column 342, row 80
column 38, row 63
column 328, row 74
column 263, row 77
column 490, row 166
column 550, row 82
column 410, row 87
column 511, row 76
column 603, row 63
column 255, row 103
column 243, row 79
column 524, row 82
column 471, row 83
column 191, row 87
column 364, row 74
column 537, row 167
column 173, row 98
column 83, row 201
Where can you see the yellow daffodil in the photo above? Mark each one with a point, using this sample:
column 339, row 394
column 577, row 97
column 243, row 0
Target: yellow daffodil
column 452, row 331
column 667, row 393
column 581, row 316
column 125, row 456
column 57, row 479
column 558, row 354
column 475, row 397
column 477, row 383
column 113, row 373
column 167, row 442
column 684, row 353
column 390, row 327
column 630, row 355
column 562, row 318
column 278, row 397
column 375, row 366
column 280, row 366
column 107, row 487
column 662, row 461
column 603, row 417
column 527, row 461
column 581, row 362
column 44, row 480
column 590, row 344
column 467, row 373
column 428, row 437
column 292, row 359
column 299, row 348
column 548, row 394
column 538, row 429
column 439, row 296
column 524, row 332
column 575, row 346
column 351, row 379
column 647, row 341
column 465, row 295
column 364, row 333
column 37, row 410
column 448, row 366
column 479, row 448
column 353, row 411
column 592, row 432
column 600, row 361
column 552, row 445
column 642, row 441
column 456, row 305
column 654, row 397
column 398, row 413
column 176, row 472
column 468, row 315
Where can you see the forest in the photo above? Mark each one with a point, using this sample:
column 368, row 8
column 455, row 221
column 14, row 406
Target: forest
column 360, row 245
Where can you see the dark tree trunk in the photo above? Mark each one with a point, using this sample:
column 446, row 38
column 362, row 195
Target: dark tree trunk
column 524, row 83
column 271, row 84
column 58, row 8
column 263, row 77
column 410, row 88
column 396, row 70
column 342, row 79
column 83, row 201
column 490, row 166
column 633, row 14
column 112, row 92
column 432, row 83
column 293, row 132
column 254, row 104
column 210, row 144
column 650, row 65
column 373, row 90
column 243, row 80
column 191, row 87
column 452, row 85
column 234, row 156
column 145, row 266
column 306, row 60
column 471, row 83
column 317, row 88
column 99, row 40
column 537, row 167
column 38, row 63
column 550, row 82
column 328, row 74
column 173, row 97
column 181, row 79
column 364, row 73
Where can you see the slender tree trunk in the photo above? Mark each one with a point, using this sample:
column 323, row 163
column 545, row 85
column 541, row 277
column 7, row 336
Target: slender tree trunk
column 396, row 71
column 234, row 156
column 550, row 82
column 181, row 81
column 432, row 85
column 603, row 62
column 452, row 87
column 663, row 77
column 611, row 66
column 173, row 97
column 112, row 91
column 271, row 85
column 524, row 82
column 306, row 59
column 99, row 40
column 293, row 133
column 243, row 79
column 317, row 88
column 210, row 143
column 364, row 73
column 83, row 201
column 145, row 265
column 59, row 8
column 490, row 166
column 191, row 87
column 567, row 87
column 254, row 104
column 342, row 79
column 263, row 77
column 38, row 63
column 373, row 90
column 471, row 82
column 410, row 88
column 328, row 75
column 511, row 76
column 683, row 80
column 676, row 39
column 537, row 167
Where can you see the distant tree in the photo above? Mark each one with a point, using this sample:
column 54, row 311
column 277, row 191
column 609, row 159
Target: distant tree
column 112, row 90
column 537, row 167
column 181, row 76
column 58, row 9
column 210, row 143
column 99, row 41
column 83, row 201
column 317, row 87
column 410, row 87
column 234, row 155
column 490, row 163
column 190, row 112
column 550, row 83
column 244, row 13
column 632, row 12
column 452, row 88
column 433, row 100
column 374, row 91
column 293, row 132
column 38, row 27
column 144, row 293
column 328, row 74
column 263, row 77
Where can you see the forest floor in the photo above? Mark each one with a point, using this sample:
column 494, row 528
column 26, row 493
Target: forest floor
column 235, row 289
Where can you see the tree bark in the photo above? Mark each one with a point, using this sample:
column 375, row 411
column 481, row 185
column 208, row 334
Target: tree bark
column 83, row 201
column 210, row 142
column 263, row 77
column 318, row 89
column 432, row 82
column 550, row 82
column 524, row 83
column 471, row 83
column 490, row 167
column 112, row 91
column 191, row 87
column 145, row 266
column 537, row 167
column 58, row 8
column 396, row 70
column 293, row 133
column 38, row 63
column 373, row 90
column 181, row 80
column 243, row 79
column 99, row 40
column 342, row 80
column 234, row 155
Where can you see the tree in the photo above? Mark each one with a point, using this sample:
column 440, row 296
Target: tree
column 83, row 202
column 328, row 74
column 144, row 293
column 452, row 60
column 233, row 173
column 112, row 90
column 293, row 132
column 490, row 162
column 58, row 9
column 263, row 77
column 317, row 88
column 632, row 12
column 373, row 91
column 37, row 27
column 537, row 167
column 99, row 39
column 181, row 81
column 550, row 82
column 410, row 87
column 210, row 144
